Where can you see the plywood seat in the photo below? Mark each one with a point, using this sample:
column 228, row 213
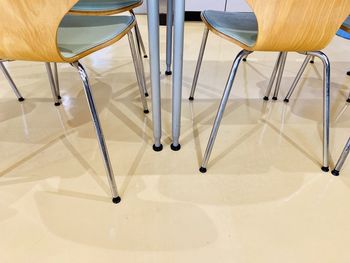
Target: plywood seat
column 94, row 6
column 238, row 26
column 79, row 34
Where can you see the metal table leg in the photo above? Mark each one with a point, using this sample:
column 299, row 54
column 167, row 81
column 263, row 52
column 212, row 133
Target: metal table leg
column 179, row 21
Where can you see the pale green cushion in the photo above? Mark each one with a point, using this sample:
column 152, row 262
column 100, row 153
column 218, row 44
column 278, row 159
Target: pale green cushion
column 103, row 5
column 241, row 26
column 347, row 22
column 77, row 34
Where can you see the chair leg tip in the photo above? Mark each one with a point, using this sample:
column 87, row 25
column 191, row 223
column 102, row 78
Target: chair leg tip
column 274, row 98
column 335, row 172
column 348, row 100
column 146, row 111
column 191, row 98
column 325, row 169
column 20, row 99
column 57, row 104
column 175, row 148
column 146, row 94
column 145, row 56
column 59, row 97
column 116, row 200
column 312, row 62
column 168, row 73
column 286, row 100
column 348, row 73
column 266, row 98
column 203, row 170
column 157, row 148
column 244, row 60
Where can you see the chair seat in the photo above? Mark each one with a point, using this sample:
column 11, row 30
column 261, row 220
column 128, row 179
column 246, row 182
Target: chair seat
column 78, row 34
column 239, row 26
column 104, row 5
column 346, row 25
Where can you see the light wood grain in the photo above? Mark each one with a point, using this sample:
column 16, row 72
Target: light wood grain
column 28, row 29
column 295, row 25
column 105, row 13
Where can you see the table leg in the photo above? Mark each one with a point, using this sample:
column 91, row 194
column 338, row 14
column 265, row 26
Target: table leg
column 153, row 36
column 179, row 21
column 169, row 36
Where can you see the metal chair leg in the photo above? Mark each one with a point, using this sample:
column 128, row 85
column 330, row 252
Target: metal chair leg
column 138, row 36
column 280, row 75
column 221, row 110
column 136, row 60
column 297, row 78
column 101, row 141
column 244, row 59
column 199, row 63
column 52, row 84
column 57, row 82
column 348, row 100
column 11, row 82
column 326, row 105
column 169, row 36
column 342, row 159
column 273, row 76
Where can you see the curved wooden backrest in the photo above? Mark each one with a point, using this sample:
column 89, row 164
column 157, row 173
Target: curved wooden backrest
column 297, row 25
column 28, row 29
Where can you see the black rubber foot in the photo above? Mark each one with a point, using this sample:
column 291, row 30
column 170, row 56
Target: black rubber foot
column 286, row 100
column 203, row 170
column 348, row 73
column 59, row 97
column 191, row 98
column 146, row 94
column 116, row 200
column 266, row 98
column 145, row 56
column 312, row 62
column 335, row 173
column 57, row 104
column 21, row 99
column 325, row 169
column 175, row 148
column 274, row 98
column 168, row 73
column 348, row 100
column 245, row 60
column 157, row 148
column 146, row 111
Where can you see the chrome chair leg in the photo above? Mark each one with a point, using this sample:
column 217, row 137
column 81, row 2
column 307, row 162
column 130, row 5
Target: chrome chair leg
column 312, row 60
column 101, row 141
column 52, row 84
column 342, row 159
column 297, row 78
column 11, row 82
column 199, row 63
column 169, row 36
column 141, row 67
column 245, row 58
column 138, row 36
column 273, row 76
column 57, row 82
column 136, row 61
column 221, row 110
column 280, row 75
column 326, row 105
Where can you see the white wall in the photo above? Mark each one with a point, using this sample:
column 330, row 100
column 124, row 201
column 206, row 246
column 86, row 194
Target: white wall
column 199, row 5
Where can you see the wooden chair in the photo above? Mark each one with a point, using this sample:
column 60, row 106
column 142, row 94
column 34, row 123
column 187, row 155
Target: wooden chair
column 27, row 25
column 346, row 27
column 282, row 26
column 105, row 8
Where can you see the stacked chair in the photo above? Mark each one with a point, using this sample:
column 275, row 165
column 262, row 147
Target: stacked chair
column 64, row 38
column 279, row 26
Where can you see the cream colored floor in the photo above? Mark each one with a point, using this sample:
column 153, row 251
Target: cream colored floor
column 264, row 198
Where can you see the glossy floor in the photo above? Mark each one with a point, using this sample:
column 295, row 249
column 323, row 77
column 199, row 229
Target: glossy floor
column 264, row 198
